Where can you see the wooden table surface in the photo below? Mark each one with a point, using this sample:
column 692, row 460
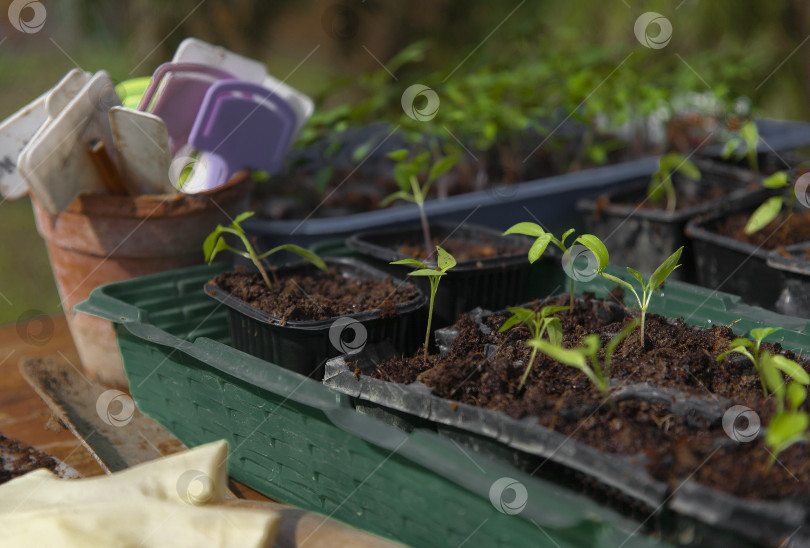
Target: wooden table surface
column 25, row 417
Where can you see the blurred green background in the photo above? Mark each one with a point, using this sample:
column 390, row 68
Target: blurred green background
column 754, row 49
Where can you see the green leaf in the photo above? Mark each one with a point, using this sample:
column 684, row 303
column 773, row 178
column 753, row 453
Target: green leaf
column 591, row 345
column 796, row 394
column 528, row 229
column 597, row 247
column 566, row 234
column 402, row 175
column 539, row 247
column 619, row 281
column 738, row 350
column 359, row 153
column 573, row 358
column 688, row 169
column 441, row 167
column 554, row 330
column 773, row 379
column 213, row 244
column 610, row 347
column 764, row 214
column 398, row 155
column 662, row 272
column 785, row 429
column 241, row 217
column 759, row 334
column 398, row 195
column 548, row 310
column 750, row 134
column 790, row 368
column 656, row 190
column 777, row 180
column 322, row 178
column 445, row 261
column 730, row 146
column 637, row 275
column 511, row 322
column 598, row 154
column 413, row 262
column 745, row 343
column 429, row 272
column 301, row 252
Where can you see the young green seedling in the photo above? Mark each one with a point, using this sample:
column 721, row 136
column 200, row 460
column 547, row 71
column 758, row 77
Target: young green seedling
column 758, row 356
column 788, row 425
column 407, row 173
column 215, row 242
column 445, row 262
column 539, row 246
column 661, row 183
column 746, row 139
column 598, row 374
column 647, row 288
column 538, row 323
column 771, row 207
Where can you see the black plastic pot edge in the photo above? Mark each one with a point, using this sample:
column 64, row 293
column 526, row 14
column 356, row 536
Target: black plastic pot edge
column 720, row 260
column 794, row 263
column 551, row 199
column 589, row 203
column 303, row 346
column 624, row 473
column 490, row 282
column 775, row 135
column 360, row 243
column 643, row 237
column 794, row 299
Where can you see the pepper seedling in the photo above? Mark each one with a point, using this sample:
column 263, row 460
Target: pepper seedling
column 598, row 374
column 215, row 242
column 407, row 173
column 758, row 356
column 538, row 323
column 647, row 288
column 746, row 140
column 444, row 261
column 540, row 244
column 661, row 183
column 788, row 425
column 770, row 208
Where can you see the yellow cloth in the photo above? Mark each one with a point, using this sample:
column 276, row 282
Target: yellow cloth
column 166, row 502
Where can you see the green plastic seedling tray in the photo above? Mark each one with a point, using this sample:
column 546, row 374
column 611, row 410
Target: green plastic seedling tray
column 300, row 443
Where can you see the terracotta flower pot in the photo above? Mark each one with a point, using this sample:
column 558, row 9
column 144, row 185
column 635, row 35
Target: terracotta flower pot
column 101, row 239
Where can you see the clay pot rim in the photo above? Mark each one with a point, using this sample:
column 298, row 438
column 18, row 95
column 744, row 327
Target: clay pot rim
column 157, row 205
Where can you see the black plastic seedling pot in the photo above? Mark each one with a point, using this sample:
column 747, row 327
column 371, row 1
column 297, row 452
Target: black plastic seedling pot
column 731, row 265
column 304, row 346
column 491, row 282
column 794, row 299
column 643, row 238
column 713, row 517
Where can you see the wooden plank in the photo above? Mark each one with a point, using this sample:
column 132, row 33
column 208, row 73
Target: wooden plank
column 23, row 416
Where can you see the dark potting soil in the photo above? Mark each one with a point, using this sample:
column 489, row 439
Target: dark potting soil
column 17, row 459
column 678, row 356
column 462, row 250
column 318, row 296
column 776, row 234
